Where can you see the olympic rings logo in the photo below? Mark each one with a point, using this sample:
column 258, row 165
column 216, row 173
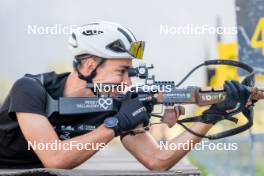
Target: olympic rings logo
column 105, row 103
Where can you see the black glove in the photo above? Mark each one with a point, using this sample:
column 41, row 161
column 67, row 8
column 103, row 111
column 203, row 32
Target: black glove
column 237, row 97
column 149, row 105
column 132, row 113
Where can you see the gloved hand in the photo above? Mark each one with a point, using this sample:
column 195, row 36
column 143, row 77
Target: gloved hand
column 149, row 105
column 132, row 113
column 237, row 97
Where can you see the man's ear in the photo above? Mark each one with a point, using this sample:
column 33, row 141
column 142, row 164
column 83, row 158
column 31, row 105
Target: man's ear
column 88, row 66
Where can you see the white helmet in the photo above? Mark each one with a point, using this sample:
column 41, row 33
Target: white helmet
column 106, row 40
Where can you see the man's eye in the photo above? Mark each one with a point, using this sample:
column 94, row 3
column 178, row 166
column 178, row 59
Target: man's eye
column 122, row 71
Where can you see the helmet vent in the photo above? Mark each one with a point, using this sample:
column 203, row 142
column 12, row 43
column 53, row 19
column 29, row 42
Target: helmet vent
column 117, row 46
column 74, row 42
column 125, row 34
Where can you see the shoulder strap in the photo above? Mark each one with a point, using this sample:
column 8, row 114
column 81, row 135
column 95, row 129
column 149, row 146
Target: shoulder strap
column 39, row 77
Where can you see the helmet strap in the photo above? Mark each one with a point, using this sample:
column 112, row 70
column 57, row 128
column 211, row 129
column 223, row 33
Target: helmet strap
column 89, row 78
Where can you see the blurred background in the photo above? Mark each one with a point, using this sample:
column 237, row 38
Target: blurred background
column 173, row 54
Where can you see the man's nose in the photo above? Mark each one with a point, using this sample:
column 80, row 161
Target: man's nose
column 127, row 80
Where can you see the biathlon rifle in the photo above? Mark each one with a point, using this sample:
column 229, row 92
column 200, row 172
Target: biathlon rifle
column 174, row 96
